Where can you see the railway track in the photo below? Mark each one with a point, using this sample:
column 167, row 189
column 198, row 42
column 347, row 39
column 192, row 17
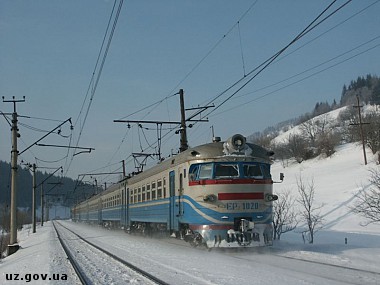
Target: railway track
column 94, row 265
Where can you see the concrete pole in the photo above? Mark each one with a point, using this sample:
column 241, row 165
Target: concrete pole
column 34, row 199
column 183, row 141
column 13, row 246
column 42, row 205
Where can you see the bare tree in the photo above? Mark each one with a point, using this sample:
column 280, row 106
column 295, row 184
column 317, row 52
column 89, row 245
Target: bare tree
column 284, row 215
column 298, row 147
column 327, row 142
column 310, row 213
column 367, row 202
column 313, row 128
column 372, row 130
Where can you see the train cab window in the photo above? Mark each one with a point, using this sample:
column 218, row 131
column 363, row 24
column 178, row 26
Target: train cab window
column 205, row 171
column 193, row 172
column 226, row 170
column 266, row 171
column 252, row 171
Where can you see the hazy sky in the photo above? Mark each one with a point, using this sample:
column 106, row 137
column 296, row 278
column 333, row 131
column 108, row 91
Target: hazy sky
column 49, row 50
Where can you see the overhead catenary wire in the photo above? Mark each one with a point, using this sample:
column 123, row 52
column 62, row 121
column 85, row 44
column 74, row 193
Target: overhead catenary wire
column 300, row 80
column 96, row 75
column 260, row 68
column 195, row 67
column 242, row 79
column 257, row 70
column 155, row 104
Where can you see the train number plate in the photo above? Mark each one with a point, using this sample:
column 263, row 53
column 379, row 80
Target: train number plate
column 242, row 206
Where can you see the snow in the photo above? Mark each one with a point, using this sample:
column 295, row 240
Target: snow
column 336, row 180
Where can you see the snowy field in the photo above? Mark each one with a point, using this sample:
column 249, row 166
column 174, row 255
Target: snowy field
column 336, row 179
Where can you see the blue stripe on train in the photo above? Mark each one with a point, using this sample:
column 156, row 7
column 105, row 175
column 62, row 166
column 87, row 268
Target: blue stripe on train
column 158, row 212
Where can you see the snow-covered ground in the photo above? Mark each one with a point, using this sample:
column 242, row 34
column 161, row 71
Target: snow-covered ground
column 336, row 181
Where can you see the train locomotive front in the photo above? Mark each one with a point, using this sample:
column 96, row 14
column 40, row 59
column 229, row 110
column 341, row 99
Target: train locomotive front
column 228, row 199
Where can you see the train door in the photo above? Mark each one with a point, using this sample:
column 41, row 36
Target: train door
column 124, row 206
column 127, row 200
column 173, row 207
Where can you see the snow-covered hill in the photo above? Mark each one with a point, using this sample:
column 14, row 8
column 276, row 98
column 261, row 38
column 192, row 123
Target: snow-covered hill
column 336, row 179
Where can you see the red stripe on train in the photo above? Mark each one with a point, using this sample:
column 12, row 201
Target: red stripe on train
column 229, row 181
column 240, row 196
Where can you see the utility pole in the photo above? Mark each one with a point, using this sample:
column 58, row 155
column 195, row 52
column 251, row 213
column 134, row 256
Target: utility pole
column 182, row 129
column 42, row 204
column 361, row 128
column 34, row 198
column 183, row 141
column 13, row 246
column 123, row 163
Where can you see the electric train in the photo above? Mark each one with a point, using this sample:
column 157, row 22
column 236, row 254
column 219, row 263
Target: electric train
column 218, row 194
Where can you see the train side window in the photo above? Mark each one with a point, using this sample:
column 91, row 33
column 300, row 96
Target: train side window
column 159, row 189
column 226, row 170
column 164, row 190
column 205, row 171
column 252, row 170
column 148, row 192
column 143, row 193
column 153, row 190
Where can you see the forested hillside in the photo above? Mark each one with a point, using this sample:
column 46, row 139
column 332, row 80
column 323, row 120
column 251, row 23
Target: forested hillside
column 320, row 136
column 55, row 187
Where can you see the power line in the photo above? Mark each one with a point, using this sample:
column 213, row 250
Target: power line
column 303, row 72
column 260, row 68
column 98, row 71
column 197, row 64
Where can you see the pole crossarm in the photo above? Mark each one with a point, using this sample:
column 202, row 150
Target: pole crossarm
column 99, row 173
column 87, row 149
column 50, row 176
column 35, row 143
column 147, row 122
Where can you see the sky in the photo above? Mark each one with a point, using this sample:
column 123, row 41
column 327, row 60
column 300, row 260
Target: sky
column 49, row 52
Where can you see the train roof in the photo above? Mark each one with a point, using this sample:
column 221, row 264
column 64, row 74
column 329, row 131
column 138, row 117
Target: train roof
column 216, row 150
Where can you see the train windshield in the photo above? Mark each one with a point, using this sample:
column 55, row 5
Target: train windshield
column 227, row 170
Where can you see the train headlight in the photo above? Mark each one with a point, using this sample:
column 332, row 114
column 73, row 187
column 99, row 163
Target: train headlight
column 270, row 197
column 209, row 198
column 236, row 142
